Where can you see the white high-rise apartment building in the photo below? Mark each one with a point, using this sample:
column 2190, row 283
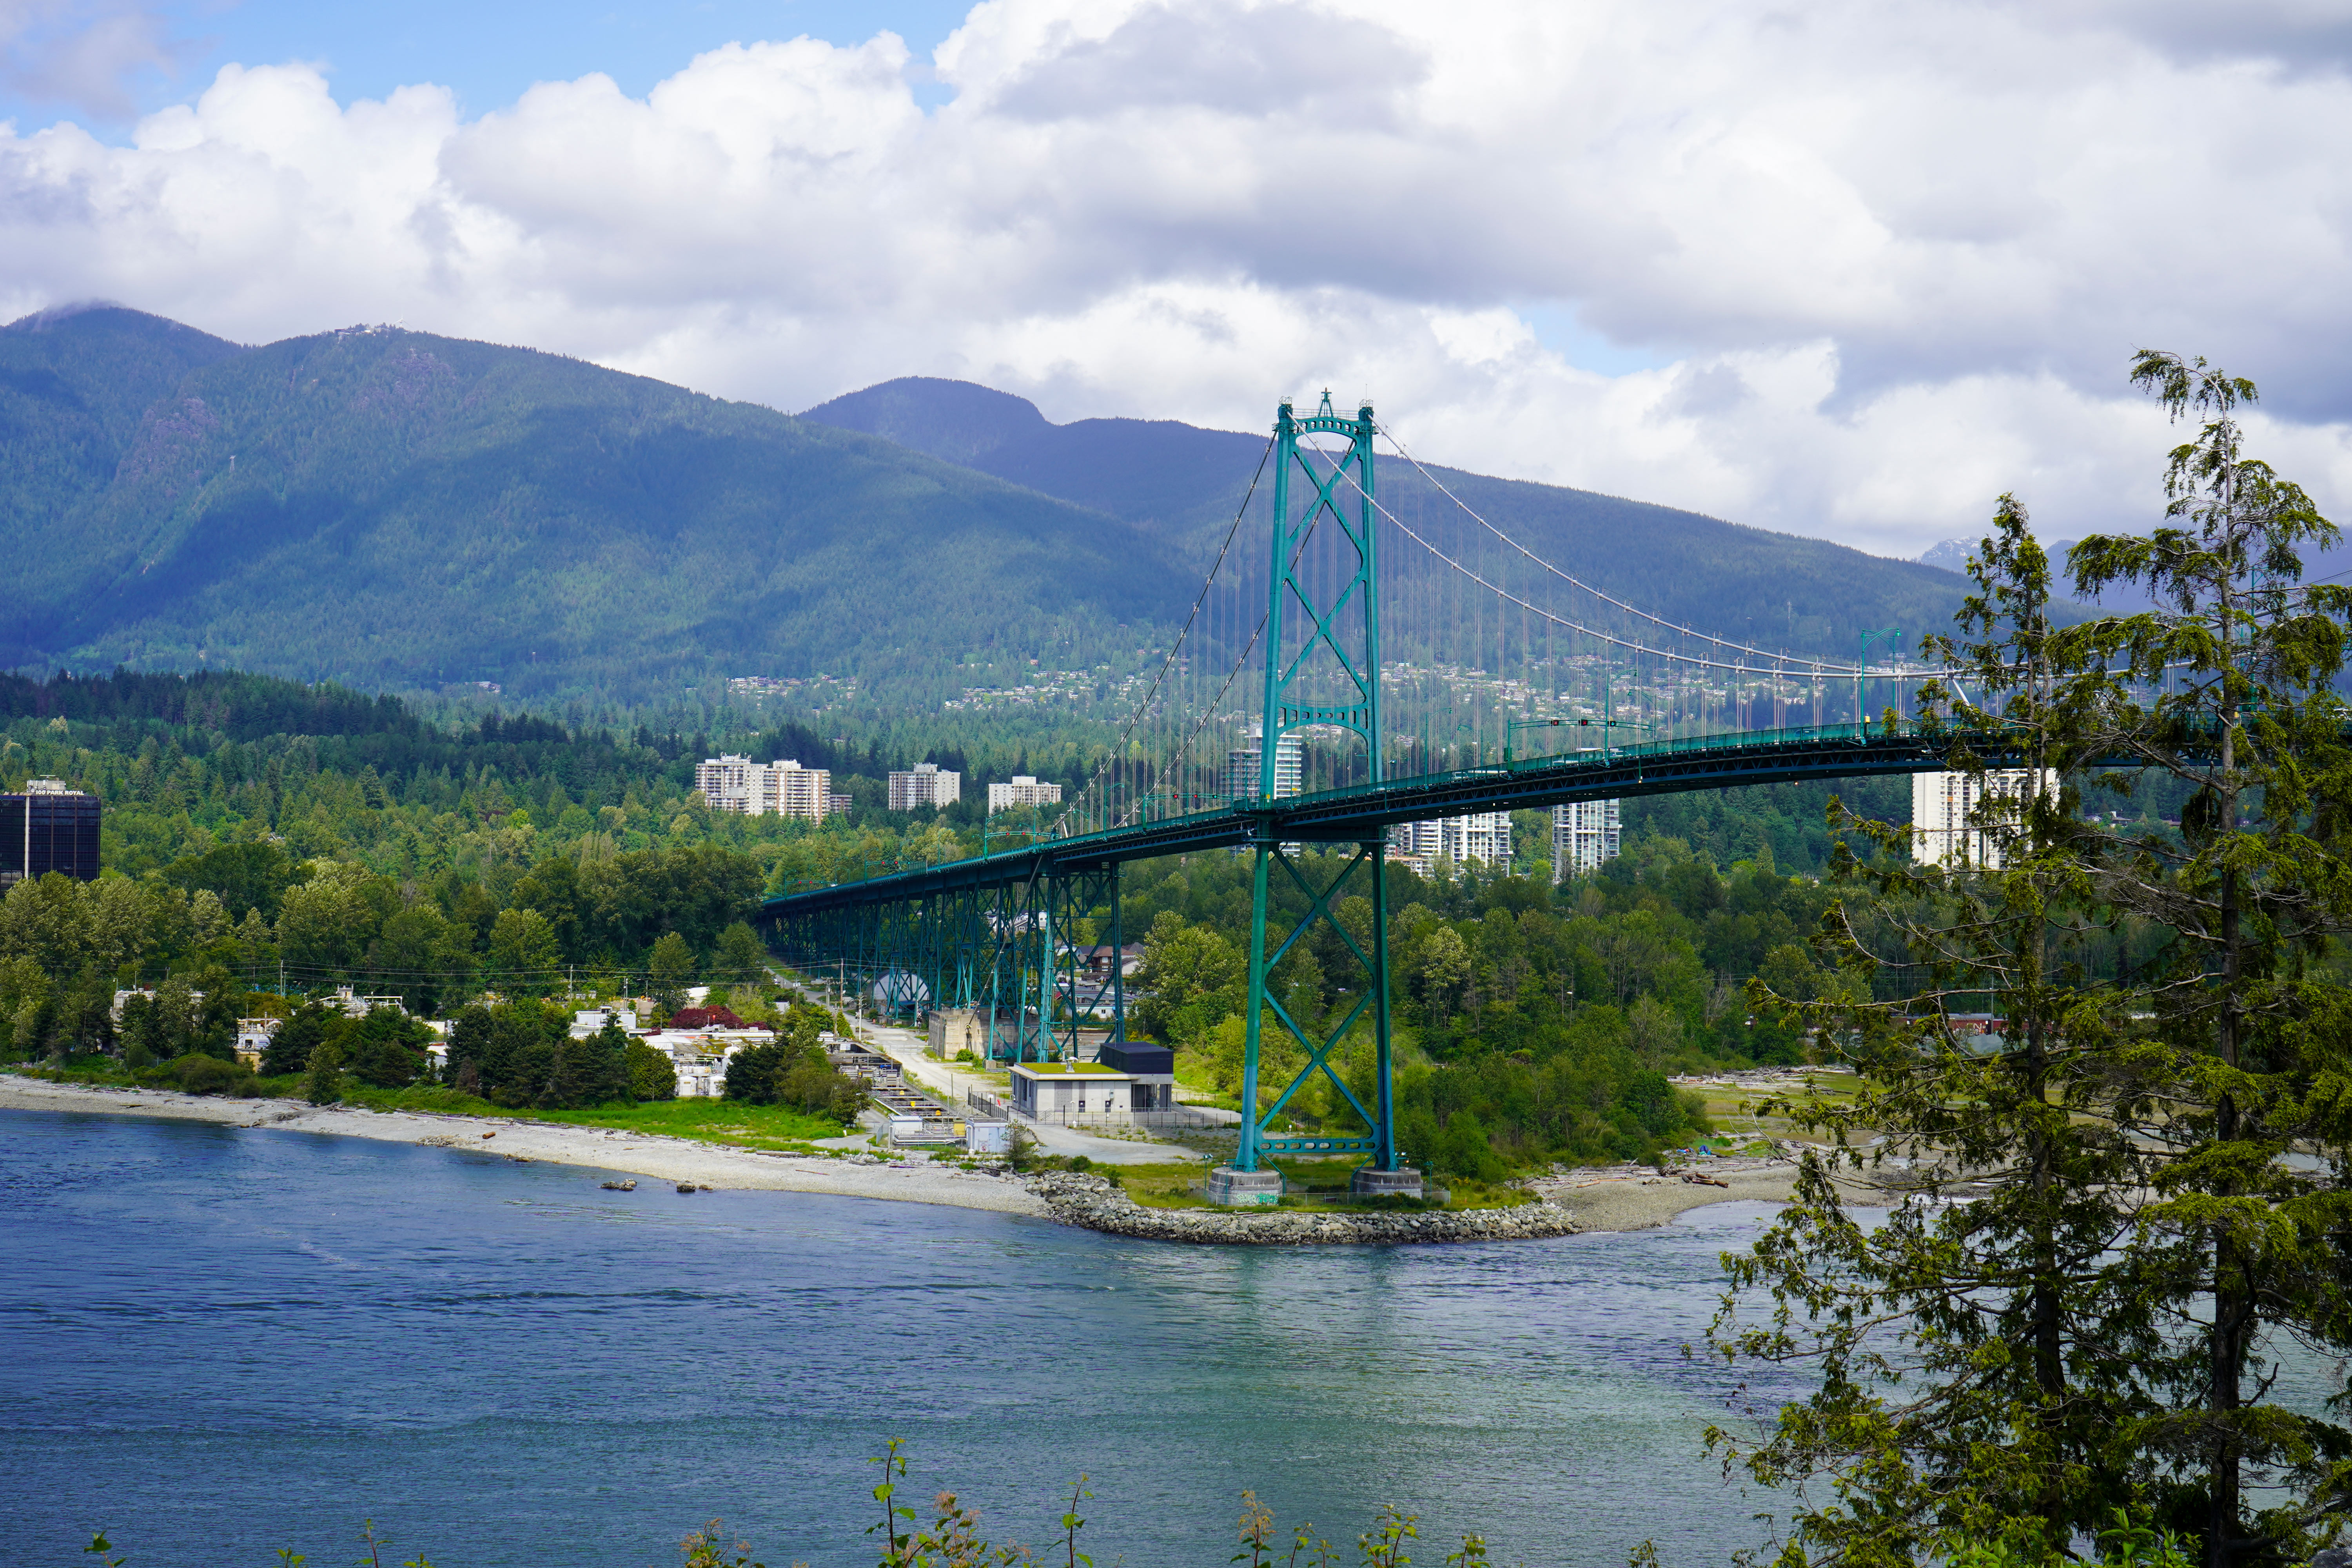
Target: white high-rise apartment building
column 1583, row 837
column 1022, row 791
column 1484, row 836
column 795, row 791
column 1942, row 805
column 1289, row 767
column 763, row 789
column 926, row 785
column 726, row 782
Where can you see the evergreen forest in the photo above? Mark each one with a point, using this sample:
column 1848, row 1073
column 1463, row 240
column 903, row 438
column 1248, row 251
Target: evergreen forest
column 265, row 841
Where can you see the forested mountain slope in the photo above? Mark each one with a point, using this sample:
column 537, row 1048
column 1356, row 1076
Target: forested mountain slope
column 1182, row 484
column 392, row 509
column 74, row 385
column 389, row 508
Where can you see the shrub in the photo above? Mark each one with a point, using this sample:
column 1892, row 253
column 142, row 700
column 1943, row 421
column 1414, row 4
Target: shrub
column 293, row 1041
column 208, row 1075
column 324, row 1083
column 386, row 1048
column 1463, row 1150
column 651, row 1074
column 784, row 1072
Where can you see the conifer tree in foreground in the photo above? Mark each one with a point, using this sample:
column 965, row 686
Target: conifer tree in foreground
column 2098, row 1326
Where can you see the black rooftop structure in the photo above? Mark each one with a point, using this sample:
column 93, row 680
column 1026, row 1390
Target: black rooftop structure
column 1142, row 1058
column 44, row 830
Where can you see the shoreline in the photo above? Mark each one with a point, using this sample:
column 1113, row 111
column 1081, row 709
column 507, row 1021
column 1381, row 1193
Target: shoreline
column 653, row 1156
column 1593, row 1203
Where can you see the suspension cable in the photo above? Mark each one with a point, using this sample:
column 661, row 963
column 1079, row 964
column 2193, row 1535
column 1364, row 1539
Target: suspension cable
column 1175, row 647
column 1208, row 713
column 1827, row 665
column 1176, row 751
column 1608, row 636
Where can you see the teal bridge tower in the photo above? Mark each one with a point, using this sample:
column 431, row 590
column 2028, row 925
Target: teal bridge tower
column 1322, row 673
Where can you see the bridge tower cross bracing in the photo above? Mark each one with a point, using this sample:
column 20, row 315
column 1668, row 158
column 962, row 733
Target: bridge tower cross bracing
column 1331, row 681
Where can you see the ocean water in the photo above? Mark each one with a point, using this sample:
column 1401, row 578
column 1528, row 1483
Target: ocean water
column 218, row 1341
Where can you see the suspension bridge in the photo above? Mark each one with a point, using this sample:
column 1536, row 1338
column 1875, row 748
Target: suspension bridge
column 1348, row 737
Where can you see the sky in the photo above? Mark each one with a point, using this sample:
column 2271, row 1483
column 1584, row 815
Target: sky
column 1849, row 269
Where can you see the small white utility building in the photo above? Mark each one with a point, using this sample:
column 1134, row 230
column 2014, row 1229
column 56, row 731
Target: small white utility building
column 1067, row 1092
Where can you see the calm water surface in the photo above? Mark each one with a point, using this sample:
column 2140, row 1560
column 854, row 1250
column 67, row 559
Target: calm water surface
column 218, row 1341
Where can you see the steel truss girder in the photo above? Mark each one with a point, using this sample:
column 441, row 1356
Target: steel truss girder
column 940, row 936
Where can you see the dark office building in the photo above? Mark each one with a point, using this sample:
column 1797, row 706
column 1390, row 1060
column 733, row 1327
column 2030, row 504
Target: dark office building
column 48, row 828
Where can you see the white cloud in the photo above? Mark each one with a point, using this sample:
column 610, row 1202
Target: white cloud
column 83, row 52
column 1905, row 251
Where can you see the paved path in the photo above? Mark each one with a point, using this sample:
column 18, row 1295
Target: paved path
column 950, row 1082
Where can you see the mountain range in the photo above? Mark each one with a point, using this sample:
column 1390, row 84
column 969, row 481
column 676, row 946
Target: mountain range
column 397, row 510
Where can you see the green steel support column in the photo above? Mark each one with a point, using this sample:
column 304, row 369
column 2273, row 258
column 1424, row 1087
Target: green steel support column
column 1384, row 1155
column 1118, row 964
column 995, row 977
column 869, row 949
column 1064, row 985
column 933, row 950
column 1058, row 1024
column 1246, row 1158
column 1006, row 951
column 1045, row 923
column 1073, row 896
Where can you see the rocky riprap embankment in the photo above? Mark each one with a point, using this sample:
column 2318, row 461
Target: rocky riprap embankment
column 1092, row 1202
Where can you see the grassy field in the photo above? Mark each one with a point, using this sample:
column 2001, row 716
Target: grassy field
column 1735, row 1115
column 732, row 1122
column 711, row 1121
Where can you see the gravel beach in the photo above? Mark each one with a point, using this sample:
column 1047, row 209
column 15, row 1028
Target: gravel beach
column 1613, row 1199
column 1635, row 1198
column 598, row 1149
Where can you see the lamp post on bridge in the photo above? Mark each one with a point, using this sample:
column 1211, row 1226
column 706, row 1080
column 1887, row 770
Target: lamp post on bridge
column 1890, row 636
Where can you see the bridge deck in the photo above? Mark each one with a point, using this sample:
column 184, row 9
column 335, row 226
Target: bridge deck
column 1362, row 813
